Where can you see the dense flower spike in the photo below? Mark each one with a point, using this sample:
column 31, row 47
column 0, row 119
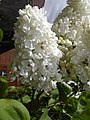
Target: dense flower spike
column 72, row 27
column 37, row 54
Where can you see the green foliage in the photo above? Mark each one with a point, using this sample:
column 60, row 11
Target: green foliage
column 21, row 93
column 3, row 79
column 58, row 104
column 45, row 115
column 55, row 106
column 62, row 93
column 11, row 110
column 1, row 34
column 26, row 99
column 83, row 108
column 3, row 87
column 64, row 89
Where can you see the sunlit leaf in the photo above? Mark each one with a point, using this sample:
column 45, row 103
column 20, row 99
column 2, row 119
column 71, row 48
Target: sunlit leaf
column 13, row 110
column 45, row 115
column 3, row 79
column 26, row 99
column 67, row 88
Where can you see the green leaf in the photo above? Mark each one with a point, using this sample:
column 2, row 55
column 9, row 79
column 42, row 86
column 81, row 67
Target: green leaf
column 85, row 115
column 83, row 109
column 34, row 118
column 3, row 79
column 54, row 93
column 45, row 115
column 3, row 87
column 67, row 88
column 13, row 110
column 51, row 101
column 1, row 34
column 83, row 102
column 80, row 108
column 62, row 93
column 26, row 99
column 12, row 89
column 66, row 117
column 77, row 118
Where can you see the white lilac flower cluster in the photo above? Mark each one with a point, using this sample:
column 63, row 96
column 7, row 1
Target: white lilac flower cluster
column 72, row 27
column 36, row 50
